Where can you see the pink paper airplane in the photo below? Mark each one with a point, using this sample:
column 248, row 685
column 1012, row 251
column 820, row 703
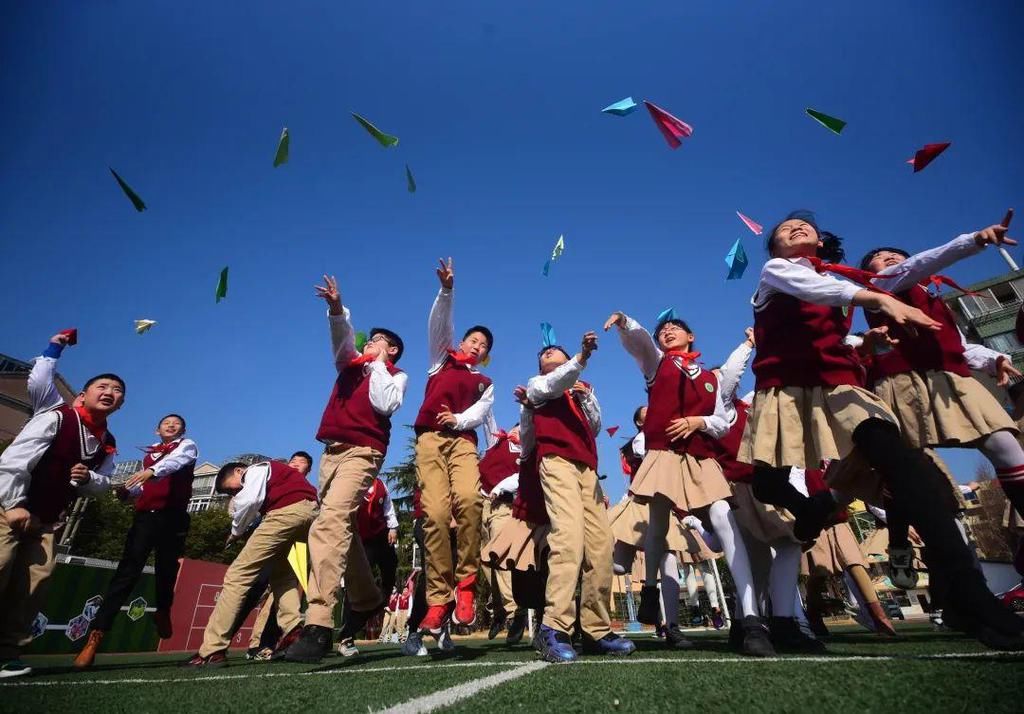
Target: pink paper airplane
column 671, row 128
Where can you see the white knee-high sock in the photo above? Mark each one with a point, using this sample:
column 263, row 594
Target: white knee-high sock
column 691, row 586
column 784, row 578
column 623, row 556
column 654, row 542
column 709, row 536
column 670, row 588
column 711, row 587
column 724, row 524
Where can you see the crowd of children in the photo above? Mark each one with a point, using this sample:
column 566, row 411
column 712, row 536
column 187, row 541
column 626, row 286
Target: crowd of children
column 759, row 479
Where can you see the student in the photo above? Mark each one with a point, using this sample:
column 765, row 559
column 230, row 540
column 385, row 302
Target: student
column 287, row 503
column 810, row 407
column 566, row 419
column 458, row 399
column 685, row 417
column 63, row 452
column 413, row 645
column 161, row 491
column 355, row 430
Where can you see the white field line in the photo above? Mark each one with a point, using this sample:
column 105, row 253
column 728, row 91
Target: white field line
column 511, row 664
column 447, row 697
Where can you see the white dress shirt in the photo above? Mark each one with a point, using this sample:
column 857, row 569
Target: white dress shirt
column 386, row 390
column 921, row 266
column 389, row 508
column 184, row 454
column 248, row 502
column 797, row 277
column 639, row 445
column 42, row 388
column 545, row 387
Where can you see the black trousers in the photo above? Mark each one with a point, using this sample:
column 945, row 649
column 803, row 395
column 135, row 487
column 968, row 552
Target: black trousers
column 161, row 531
column 382, row 554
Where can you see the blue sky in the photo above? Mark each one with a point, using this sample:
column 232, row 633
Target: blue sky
column 498, row 111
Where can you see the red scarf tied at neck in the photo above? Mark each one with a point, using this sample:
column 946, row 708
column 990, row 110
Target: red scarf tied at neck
column 97, row 426
column 462, row 359
column 687, row 357
column 856, row 275
column 938, row 280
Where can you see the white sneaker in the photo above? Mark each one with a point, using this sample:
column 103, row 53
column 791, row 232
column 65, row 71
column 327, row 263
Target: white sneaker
column 14, row 668
column 901, row 568
column 347, row 648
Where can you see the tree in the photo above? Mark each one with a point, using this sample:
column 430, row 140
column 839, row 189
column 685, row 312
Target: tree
column 401, row 481
column 104, row 528
column 206, row 535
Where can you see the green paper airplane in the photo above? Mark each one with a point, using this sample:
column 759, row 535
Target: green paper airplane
column 386, row 140
column 140, row 206
column 831, row 123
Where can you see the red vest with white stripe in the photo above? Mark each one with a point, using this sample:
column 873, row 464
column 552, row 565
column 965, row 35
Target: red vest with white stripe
column 498, row 463
column 349, row 417
column 729, row 448
column 171, row 492
column 457, row 386
column 942, row 350
column 371, row 520
column 285, row 487
column 528, row 504
column 562, row 429
column 800, row 344
column 673, row 394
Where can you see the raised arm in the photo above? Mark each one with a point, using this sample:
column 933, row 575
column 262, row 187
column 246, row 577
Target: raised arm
column 440, row 328
column 545, row 387
column 798, row 279
column 735, row 367
column 920, row 266
column 591, row 409
column 343, row 344
column 638, row 342
column 42, row 388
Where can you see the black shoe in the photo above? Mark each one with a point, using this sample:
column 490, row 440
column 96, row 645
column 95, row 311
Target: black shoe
column 814, row 516
column 497, row 625
column 676, row 640
column 252, row 652
column 755, row 638
column 312, row 646
column 354, row 624
column 971, row 623
column 736, row 634
column 817, row 623
column 787, row 636
column 516, row 627
column 649, row 612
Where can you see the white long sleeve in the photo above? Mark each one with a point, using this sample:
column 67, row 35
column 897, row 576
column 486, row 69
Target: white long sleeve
column 798, row 479
column 343, row 339
column 527, row 438
column 639, row 445
column 440, row 328
column 42, row 388
column 544, row 387
column 733, row 370
column 386, row 390
column 22, row 455
column 717, row 424
column 641, row 345
column 798, row 278
column 920, row 266
column 99, row 479
column 477, row 414
column 490, row 428
column 509, row 484
column 248, row 502
column 980, row 357
column 184, row 454
column 389, row 510
column 592, row 410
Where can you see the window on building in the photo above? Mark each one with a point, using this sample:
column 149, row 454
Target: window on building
column 1005, row 294
column 980, row 304
column 1006, row 342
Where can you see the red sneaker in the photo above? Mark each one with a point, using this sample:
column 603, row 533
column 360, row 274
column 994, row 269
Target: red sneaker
column 436, row 618
column 164, row 629
column 465, row 602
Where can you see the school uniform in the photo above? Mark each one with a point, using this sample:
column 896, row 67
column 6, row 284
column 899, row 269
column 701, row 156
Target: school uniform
column 447, row 466
column 565, row 426
column 376, row 517
column 287, row 503
column 160, row 524
column 499, row 481
column 355, row 429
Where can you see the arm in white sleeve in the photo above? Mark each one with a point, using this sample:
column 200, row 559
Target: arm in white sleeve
column 440, row 328
column 386, row 390
column 543, row 387
column 42, row 389
column 980, row 357
column 920, row 266
column 343, row 339
column 99, row 480
column 389, row 511
column 592, row 410
column 526, row 437
column 799, row 279
column 733, row 370
column 798, row 479
column 879, row 513
column 641, row 345
column 183, row 455
column 639, row 445
column 249, row 500
column 22, row 455
column 717, row 424
column 490, row 429
column 509, row 484
column 476, row 414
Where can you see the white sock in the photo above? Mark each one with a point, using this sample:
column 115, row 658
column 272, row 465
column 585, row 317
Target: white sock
column 654, row 543
column 724, row 524
column 670, row 588
column 784, row 578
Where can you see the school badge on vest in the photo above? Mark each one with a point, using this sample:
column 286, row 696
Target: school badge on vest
column 846, row 310
column 707, row 386
column 480, row 387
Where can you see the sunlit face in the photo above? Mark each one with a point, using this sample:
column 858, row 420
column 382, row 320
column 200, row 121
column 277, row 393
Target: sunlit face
column 104, row 396
column 300, row 464
column 377, row 343
column 795, row 238
column 475, row 344
column 884, row 259
column 551, row 358
column 170, row 428
column 641, row 418
column 674, row 337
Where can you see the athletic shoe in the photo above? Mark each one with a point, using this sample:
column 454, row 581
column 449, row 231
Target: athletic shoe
column 555, row 646
column 87, row 656
column 465, row 602
column 649, row 612
column 312, row 646
column 355, row 622
column 497, row 625
column 736, row 634
column 288, row 639
column 901, row 568
column 347, row 648
column 717, row 620
column 215, row 661
column 516, row 627
column 413, row 645
column 786, row 636
column 676, row 640
column 883, row 625
column 266, row 654
column 697, row 620
column 436, row 618
column 250, row 654
column 610, row 644
column 817, row 623
column 755, row 638
column 814, row 516
column 14, row 668
column 444, row 640
column 972, row 608
column 164, row 628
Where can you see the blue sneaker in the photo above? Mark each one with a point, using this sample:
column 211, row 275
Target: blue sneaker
column 610, row 644
column 555, row 646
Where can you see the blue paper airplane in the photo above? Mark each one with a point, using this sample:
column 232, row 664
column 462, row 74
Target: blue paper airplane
column 736, row 259
column 547, row 333
column 621, row 108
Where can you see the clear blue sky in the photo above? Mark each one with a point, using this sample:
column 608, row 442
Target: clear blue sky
column 498, row 111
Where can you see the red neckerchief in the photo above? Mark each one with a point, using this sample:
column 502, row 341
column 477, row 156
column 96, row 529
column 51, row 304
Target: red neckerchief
column 687, row 357
column 502, row 434
column 162, row 448
column 97, row 429
column 856, row 275
column 626, row 468
column 462, row 359
column 364, row 359
column 937, row 280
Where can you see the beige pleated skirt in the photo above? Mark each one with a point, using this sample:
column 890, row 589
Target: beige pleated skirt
column 688, row 482
column 519, row 545
column 943, row 409
column 628, row 521
column 762, row 522
column 696, row 550
column 835, row 550
column 803, row 426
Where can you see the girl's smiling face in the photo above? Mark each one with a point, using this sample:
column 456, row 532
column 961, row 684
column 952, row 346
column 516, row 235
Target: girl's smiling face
column 795, row 238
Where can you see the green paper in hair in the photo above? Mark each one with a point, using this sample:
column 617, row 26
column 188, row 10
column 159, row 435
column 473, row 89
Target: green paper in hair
column 360, row 341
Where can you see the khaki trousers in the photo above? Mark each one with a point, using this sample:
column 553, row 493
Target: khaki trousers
column 261, row 620
column 335, row 549
column 449, row 479
column 495, row 515
column 580, row 539
column 268, row 545
column 26, row 563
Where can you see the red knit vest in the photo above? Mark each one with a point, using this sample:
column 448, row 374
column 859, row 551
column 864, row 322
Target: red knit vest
column 349, row 417
column 171, row 492
column 800, row 344
column 370, row 518
column 50, row 490
column 498, row 463
column 285, row 487
column 729, row 448
column 528, row 504
column 562, row 429
column 672, row 395
column 457, row 386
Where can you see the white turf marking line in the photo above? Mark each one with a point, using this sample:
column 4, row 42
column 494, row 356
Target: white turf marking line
column 447, row 697
column 515, row 663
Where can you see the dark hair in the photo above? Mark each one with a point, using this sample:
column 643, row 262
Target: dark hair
column 304, row 455
column 393, row 339
column 105, row 375
column 552, row 347
column 179, row 417
column 672, row 321
column 636, row 417
column 483, row 331
column 225, row 471
column 831, row 245
column 875, row 251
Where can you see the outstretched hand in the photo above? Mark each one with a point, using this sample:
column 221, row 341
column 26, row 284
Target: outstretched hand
column 446, row 274
column 1005, row 371
column 749, row 334
column 616, row 318
column 588, row 346
column 996, row 235
column 329, row 292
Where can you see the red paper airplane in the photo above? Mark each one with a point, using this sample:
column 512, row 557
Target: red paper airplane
column 928, row 154
column 611, row 430
column 72, row 335
column 671, row 128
